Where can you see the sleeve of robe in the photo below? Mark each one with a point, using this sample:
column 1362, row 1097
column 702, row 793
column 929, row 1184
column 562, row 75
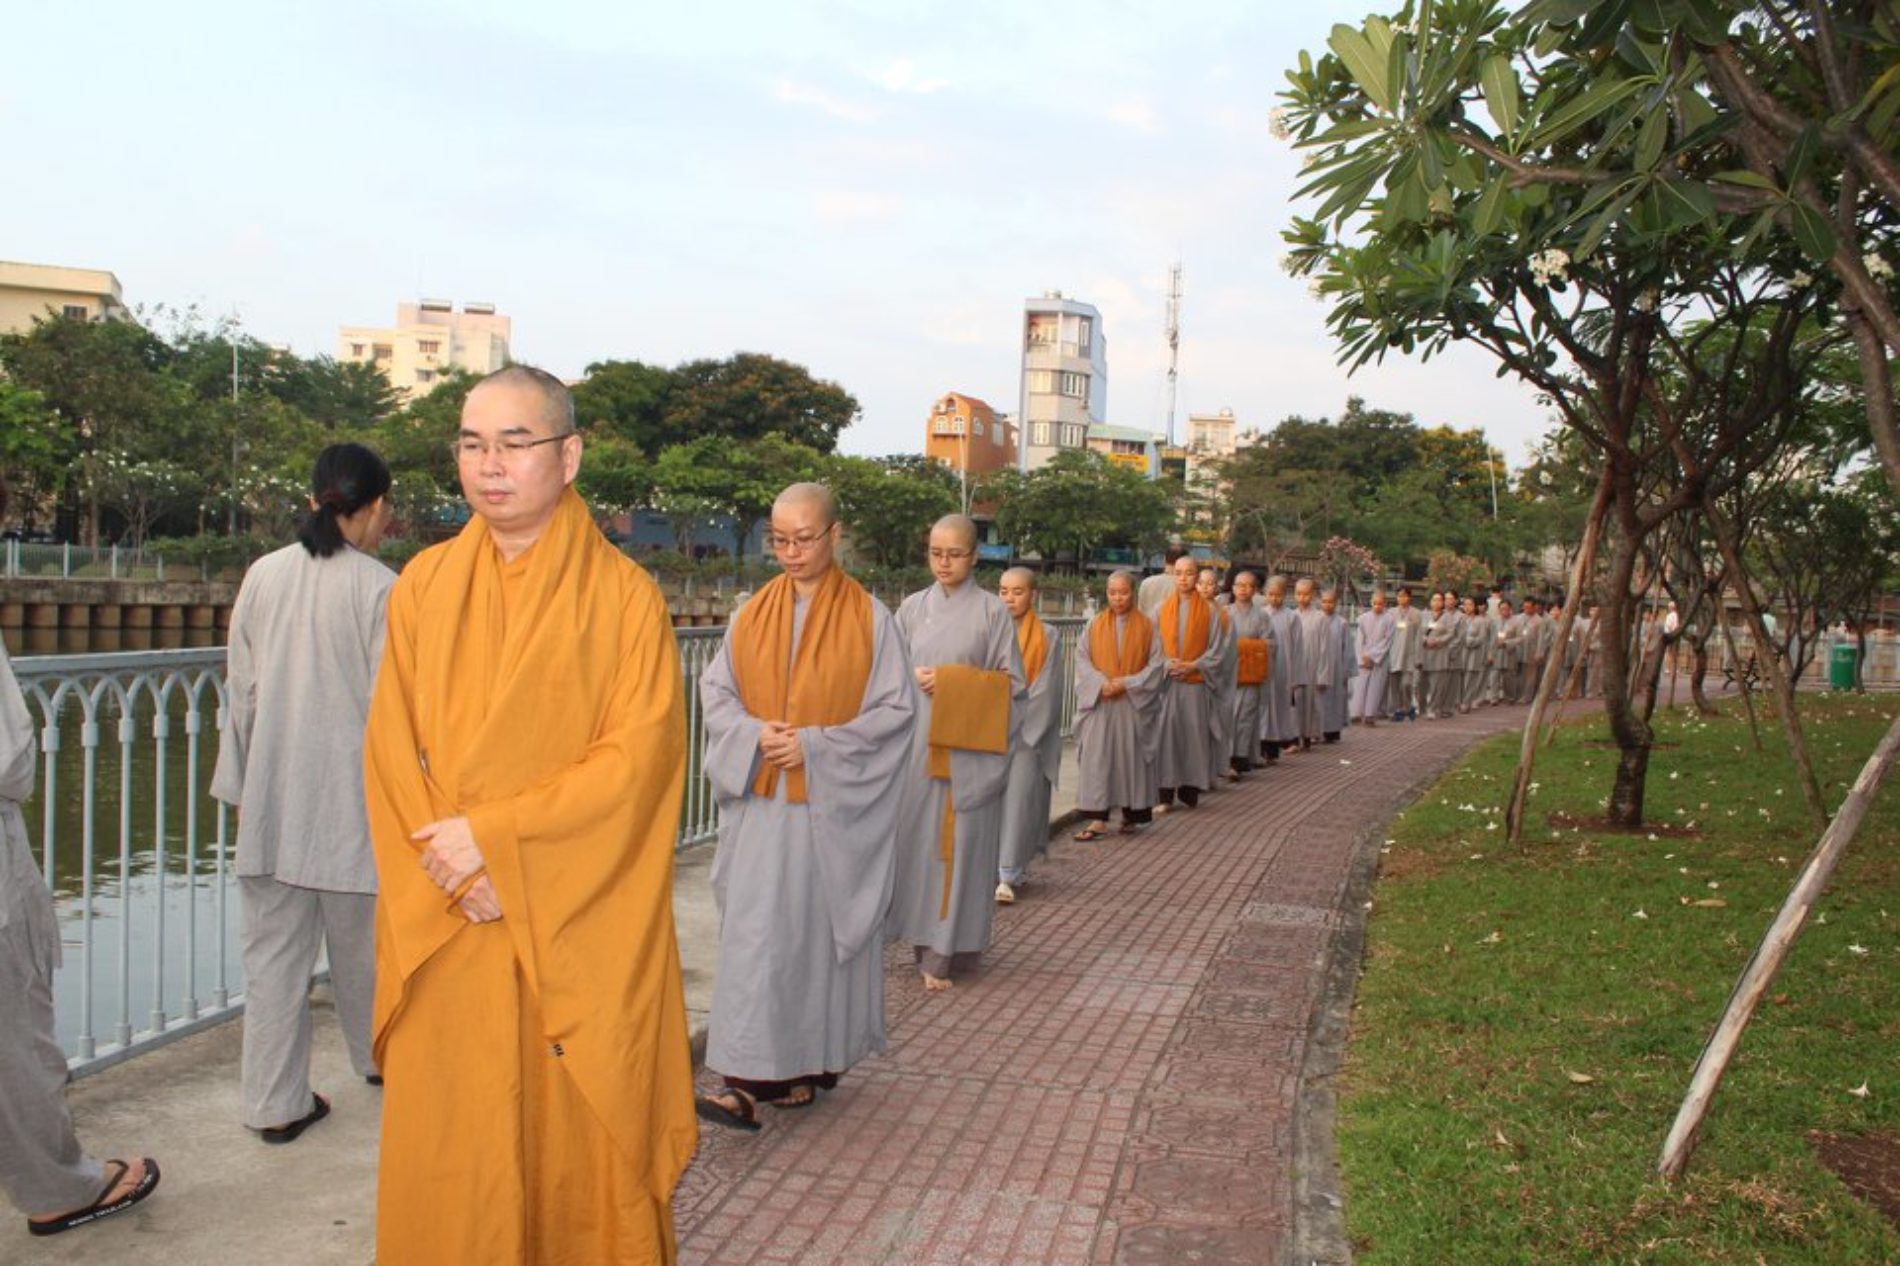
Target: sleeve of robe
column 240, row 684
column 1218, row 635
column 1042, row 715
column 18, row 745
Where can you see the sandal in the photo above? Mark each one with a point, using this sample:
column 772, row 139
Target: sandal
column 792, row 1099
column 319, row 1109
column 746, row 1117
column 1088, row 833
column 100, row 1208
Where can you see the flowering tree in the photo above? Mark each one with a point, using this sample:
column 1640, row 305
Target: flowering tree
column 1344, row 562
column 1556, row 187
column 140, row 490
column 1459, row 573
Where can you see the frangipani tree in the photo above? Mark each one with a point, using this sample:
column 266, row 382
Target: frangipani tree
column 1555, row 187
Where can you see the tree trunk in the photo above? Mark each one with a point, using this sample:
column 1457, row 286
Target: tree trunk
column 1698, row 675
column 1553, row 666
column 1627, row 726
column 1777, row 677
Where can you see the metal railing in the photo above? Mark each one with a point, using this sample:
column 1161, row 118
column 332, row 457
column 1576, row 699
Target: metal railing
column 139, row 855
column 25, row 559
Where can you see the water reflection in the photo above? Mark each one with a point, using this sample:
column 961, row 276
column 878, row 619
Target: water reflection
column 25, row 641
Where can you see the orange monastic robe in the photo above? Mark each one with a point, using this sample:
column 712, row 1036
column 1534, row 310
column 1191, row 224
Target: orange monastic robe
column 539, row 1103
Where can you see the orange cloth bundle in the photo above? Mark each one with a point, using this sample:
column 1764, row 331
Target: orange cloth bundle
column 1256, row 660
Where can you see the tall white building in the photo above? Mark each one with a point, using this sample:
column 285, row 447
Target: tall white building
column 429, row 336
column 1065, row 376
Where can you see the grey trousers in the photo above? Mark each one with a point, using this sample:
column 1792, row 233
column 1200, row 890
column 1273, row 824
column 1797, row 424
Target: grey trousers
column 282, row 928
column 42, row 1167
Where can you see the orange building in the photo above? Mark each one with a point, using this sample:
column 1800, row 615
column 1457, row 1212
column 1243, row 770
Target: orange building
column 966, row 435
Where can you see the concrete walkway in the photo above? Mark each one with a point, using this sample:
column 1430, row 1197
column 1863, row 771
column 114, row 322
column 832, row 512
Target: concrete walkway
column 1121, row 1083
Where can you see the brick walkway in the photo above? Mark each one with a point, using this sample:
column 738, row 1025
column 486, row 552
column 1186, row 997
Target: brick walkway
column 1119, row 1083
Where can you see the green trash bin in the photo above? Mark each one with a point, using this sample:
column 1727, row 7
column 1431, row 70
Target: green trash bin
column 1841, row 663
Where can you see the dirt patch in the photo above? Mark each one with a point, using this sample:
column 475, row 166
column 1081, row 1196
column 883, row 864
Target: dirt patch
column 1868, row 1163
column 1562, row 821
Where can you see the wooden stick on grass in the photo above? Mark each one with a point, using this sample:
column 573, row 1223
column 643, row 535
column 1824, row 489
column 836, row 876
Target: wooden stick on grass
column 1770, row 954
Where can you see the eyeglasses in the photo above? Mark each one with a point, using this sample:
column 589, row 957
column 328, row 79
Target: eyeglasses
column 468, row 448
column 948, row 555
column 794, row 544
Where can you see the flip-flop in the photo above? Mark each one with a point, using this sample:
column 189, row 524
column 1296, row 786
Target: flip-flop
column 1134, row 828
column 1088, row 833
column 718, row 1113
column 99, row 1208
column 789, row 1104
column 319, row 1109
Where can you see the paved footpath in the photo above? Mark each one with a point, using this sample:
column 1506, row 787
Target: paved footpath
column 1122, row 1081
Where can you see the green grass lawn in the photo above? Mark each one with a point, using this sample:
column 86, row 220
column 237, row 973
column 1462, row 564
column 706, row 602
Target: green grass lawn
column 1528, row 1017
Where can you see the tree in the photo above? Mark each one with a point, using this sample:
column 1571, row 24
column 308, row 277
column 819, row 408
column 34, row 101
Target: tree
column 615, row 474
column 719, row 474
column 1573, row 238
column 35, row 449
column 1080, row 501
column 750, row 396
column 1457, row 572
column 628, row 400
column 888, row 504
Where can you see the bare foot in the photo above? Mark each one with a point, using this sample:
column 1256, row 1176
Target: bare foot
column 935, row 984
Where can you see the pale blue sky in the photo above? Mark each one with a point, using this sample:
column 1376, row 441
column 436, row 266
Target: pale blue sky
column 870, row 189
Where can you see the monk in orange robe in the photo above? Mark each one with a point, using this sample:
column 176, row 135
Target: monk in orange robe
column 524, row 765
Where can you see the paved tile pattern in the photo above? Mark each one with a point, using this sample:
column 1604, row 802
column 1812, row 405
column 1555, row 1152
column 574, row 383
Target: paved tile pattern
column 1118, row 1084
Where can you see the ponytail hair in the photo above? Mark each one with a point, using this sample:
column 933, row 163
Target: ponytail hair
column 348, row 477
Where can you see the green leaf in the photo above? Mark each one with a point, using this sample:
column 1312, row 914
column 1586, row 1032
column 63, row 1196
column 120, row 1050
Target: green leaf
column 1594, row 101
column 1602, row 224
column 1501, row 93
column 1740, row 177
column 1364, row 63
column 1489, row 212
column 1812, row 233
column 1685, row 202
column 1650, row 139
column 1556, row 11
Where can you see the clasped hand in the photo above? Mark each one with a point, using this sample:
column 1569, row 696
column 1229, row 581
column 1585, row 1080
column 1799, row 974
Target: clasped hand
column 778, row 743
column 449, row 858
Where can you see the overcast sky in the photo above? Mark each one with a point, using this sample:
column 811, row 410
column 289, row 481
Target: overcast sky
column 868, row 187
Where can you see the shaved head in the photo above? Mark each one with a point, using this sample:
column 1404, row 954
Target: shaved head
column 557, row 401
column 961, row 524
column 809, row 494
column 1020, row 576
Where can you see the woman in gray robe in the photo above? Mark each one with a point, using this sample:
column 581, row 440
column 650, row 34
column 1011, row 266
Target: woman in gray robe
column 1035, row 761
column 306, row 641
column 802, row 887
column 954, row 621
column 1279, row 717
column 1336, row 703
column 1117, row 723
column 1250, row 623
column 1375, row 648
column 1478, row 641
column 44, row 1171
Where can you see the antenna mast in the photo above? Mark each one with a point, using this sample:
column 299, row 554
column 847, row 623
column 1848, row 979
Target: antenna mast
column 1174, row 342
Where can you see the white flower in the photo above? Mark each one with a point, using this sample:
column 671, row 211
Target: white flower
column 1802, row 277
column 1858, row 951
column 1276, row 124
column 1316, row 288
column 1548, row 266
column 1876, row 267
column 1646, row 302
column 1639, row 915
column 1860, row 1091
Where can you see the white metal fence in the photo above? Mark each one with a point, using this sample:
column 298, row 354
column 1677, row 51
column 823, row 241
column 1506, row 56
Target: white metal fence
column 139, row 855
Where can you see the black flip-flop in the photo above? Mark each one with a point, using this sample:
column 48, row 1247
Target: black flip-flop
column 99, row 1208
column 319, row 1109
column 719, row 1114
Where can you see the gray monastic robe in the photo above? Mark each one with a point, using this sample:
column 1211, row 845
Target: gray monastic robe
column 42, row 1167
column 1248, row 725
column 1279, row 717
column 1402, row 685
column 306, row 641
column 1319, row 669
column 1479, row 641
column 1444, row 666
column 1376, row 631
column 968, row 626
column 1511, row 657
column 802, row 889
column 1117, row 740
column 1188, row 708
column 1220, row 730
column 1034, row 764
column 1336, row 704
